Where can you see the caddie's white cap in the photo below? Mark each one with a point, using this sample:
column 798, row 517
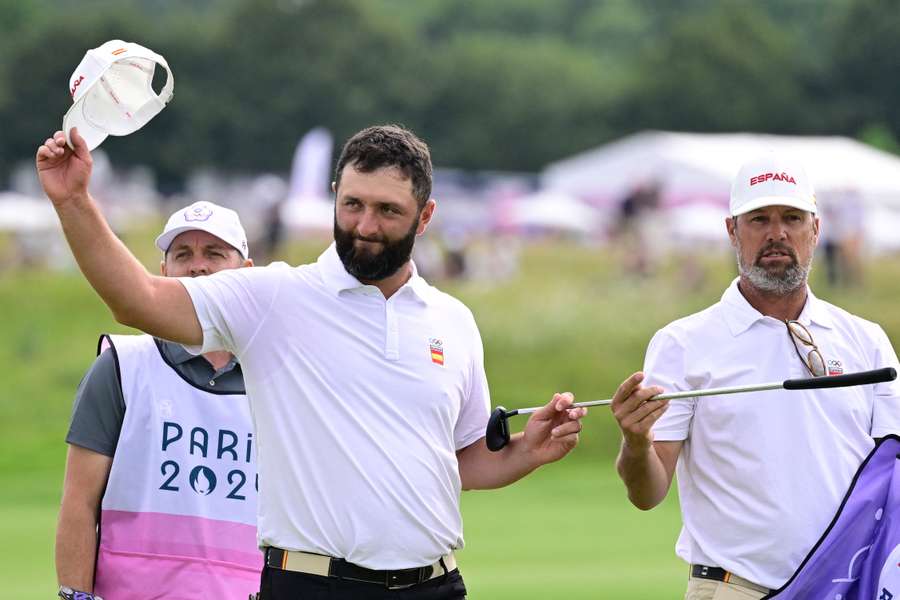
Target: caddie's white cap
column 771, row 180
column 112, row 91
column 219, row 221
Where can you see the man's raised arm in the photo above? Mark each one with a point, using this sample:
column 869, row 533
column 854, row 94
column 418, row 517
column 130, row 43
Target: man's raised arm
column 159, row 306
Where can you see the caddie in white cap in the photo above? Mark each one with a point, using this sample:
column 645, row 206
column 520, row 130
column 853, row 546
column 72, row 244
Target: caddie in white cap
column 759, row 476
column 160, row 497
column 222, row 223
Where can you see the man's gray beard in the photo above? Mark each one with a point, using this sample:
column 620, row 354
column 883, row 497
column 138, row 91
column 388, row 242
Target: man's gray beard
column 793, row 278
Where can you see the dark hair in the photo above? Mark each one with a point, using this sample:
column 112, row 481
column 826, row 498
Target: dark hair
column 382, row 146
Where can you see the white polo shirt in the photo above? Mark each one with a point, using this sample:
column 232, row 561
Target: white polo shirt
column 761, row 475
column 359, row 403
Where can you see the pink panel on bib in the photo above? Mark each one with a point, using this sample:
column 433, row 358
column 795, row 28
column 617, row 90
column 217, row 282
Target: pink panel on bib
column 155, row 555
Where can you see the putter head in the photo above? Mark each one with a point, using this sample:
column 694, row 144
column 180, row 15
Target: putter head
column 497, row 434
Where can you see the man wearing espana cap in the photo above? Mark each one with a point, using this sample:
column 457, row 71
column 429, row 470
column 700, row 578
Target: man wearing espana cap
column 760, row 476
column 159, row 499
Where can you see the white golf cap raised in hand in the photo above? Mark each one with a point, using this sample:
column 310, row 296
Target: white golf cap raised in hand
column 112, row 91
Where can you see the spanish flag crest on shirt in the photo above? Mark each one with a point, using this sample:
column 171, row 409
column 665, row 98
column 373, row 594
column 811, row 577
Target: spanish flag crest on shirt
column 437, row 351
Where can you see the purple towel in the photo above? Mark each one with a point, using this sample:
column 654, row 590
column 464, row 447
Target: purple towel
column 858, row 557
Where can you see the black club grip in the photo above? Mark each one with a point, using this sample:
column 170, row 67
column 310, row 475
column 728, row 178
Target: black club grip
column 497, row 434
column 835, row 381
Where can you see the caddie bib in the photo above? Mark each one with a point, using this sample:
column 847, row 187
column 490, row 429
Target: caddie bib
column 178, row 516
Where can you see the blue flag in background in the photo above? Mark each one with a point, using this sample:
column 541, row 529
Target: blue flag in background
column 858, row 557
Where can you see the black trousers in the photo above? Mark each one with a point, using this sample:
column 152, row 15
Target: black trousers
column 289, row 585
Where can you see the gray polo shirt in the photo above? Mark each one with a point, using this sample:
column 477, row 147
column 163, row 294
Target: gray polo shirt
column 100, row 406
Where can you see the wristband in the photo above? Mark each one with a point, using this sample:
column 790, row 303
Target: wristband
column 67, row 593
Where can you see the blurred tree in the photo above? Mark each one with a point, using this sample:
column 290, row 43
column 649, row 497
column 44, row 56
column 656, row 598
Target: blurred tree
column 38, row 63
column 866, row 82
column 502, row 102
column 731, row 68
column 39, row 59
column 286, row 67
column 506, row 84
column 444, row 19
column 182, row 137
column 14, row 17
column 880, row 136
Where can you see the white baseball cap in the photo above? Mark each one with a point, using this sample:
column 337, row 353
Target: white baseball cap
column 221, row 222
column 112, row 91
column 771, row 180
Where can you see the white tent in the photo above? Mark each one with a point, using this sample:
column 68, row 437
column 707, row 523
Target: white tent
column 308, row 214
column 554, row 212
column 697, row 168
column 23, row 214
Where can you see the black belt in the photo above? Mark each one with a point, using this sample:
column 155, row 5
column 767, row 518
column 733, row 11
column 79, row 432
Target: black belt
column 277, row 558
column 720, row 574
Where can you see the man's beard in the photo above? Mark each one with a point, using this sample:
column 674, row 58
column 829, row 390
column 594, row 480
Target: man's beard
column 771, row 281
column 370, row 266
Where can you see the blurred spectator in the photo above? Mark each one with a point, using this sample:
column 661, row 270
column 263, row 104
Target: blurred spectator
column 271, row 234
column 429, row 257
column 455, row 243
column 841, row 237
column 635, row 227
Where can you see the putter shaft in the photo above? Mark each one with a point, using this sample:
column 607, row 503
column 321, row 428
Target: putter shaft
column 736, row 389
column 497, row 430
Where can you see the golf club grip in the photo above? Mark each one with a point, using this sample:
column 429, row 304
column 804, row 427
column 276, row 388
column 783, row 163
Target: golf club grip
column 850, row 379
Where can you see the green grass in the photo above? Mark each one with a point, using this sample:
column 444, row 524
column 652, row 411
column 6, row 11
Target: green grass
column 568, row 321
column 567, row 531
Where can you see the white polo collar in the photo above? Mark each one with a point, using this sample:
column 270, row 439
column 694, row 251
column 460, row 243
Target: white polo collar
column 740, row 315
column 337, row 279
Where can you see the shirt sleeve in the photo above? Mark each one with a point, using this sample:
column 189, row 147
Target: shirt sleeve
column 664, row 366
column 99, row 407
column 476, row 408
column 886, row 409
column 232, row 305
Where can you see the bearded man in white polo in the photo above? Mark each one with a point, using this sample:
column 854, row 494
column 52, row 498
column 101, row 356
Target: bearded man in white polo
column 760, row 475
column 159, row 497
column 367, row 384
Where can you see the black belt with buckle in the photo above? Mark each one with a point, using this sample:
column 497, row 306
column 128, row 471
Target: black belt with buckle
column 341, row 569
column 720, row 574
